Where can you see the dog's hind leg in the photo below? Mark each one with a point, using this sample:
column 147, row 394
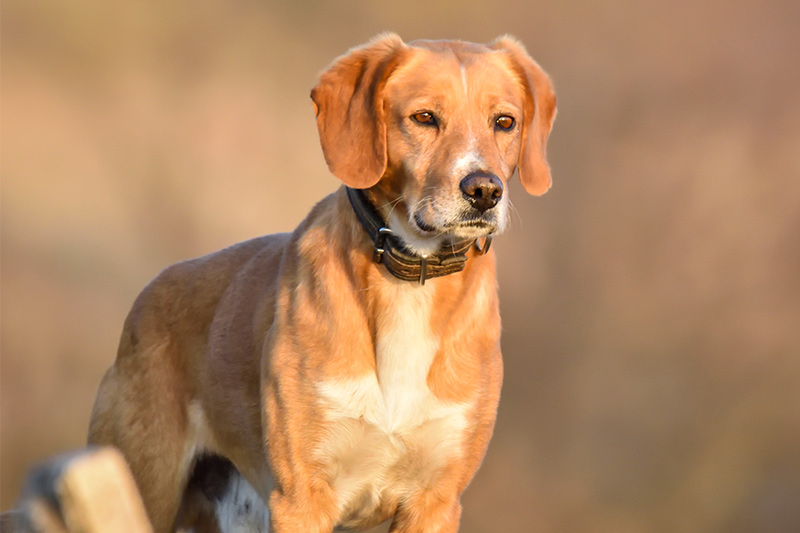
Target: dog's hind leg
column 141, row 409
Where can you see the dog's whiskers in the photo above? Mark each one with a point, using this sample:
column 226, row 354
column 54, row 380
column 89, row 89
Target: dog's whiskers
column 391, row 205
column 514, row 211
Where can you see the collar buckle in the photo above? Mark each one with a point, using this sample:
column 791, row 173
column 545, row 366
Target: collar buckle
column 379, row 250
column 380, row 240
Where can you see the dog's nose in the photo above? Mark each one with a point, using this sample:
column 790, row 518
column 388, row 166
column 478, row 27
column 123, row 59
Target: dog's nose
column 482, row 190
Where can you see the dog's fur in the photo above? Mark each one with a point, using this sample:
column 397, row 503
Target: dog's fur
column 341, row 395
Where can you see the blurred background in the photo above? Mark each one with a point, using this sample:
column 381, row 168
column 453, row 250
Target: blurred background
column 651, row 300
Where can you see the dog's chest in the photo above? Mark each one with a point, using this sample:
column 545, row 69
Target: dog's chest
column 388, row 434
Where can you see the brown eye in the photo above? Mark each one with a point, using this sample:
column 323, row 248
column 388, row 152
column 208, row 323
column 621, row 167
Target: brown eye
column 504, row 122
column 425, row 117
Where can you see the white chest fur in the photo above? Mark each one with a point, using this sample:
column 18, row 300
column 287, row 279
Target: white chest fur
column 382, row 424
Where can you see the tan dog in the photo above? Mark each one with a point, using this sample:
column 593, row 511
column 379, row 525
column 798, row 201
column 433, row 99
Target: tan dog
column 349, row 371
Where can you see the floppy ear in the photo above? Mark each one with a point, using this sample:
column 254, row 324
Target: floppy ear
column 348, row 102
column 539, row 113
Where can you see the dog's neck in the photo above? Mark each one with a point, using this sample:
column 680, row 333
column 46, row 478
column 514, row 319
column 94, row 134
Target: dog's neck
column 390, row 249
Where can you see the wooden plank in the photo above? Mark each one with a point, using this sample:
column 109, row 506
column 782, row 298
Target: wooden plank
column 91, row 491
column 11, row 521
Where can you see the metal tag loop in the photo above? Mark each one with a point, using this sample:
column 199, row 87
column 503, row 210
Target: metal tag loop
column 423, row 268
column 483, row 249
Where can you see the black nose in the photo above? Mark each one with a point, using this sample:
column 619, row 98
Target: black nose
column 482, row 190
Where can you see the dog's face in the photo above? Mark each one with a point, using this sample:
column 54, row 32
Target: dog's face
column 452, row 114
column 436, row 129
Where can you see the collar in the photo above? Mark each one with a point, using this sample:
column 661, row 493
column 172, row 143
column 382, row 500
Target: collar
column 400, row 261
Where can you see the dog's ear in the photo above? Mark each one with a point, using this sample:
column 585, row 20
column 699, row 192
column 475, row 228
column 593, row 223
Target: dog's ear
column 539, row 111
column 348, row 102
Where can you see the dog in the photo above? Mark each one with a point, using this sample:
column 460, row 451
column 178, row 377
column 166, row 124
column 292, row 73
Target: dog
column 349, row 372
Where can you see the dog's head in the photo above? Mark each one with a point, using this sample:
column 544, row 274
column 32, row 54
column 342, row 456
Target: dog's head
column 436, row 129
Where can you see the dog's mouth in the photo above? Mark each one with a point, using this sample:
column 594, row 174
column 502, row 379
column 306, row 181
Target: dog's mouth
column 423, row 226
column 475, row 228
column 465, row 227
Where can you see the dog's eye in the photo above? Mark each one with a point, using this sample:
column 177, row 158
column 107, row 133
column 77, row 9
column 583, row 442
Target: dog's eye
column 425, row 117
column 504, row 122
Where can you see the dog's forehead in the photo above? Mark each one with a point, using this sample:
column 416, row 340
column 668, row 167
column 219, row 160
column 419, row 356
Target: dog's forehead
column 459, row 54
column 458, row 47
column 435, row 67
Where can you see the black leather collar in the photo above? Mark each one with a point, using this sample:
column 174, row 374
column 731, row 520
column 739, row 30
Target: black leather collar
column 397, row 258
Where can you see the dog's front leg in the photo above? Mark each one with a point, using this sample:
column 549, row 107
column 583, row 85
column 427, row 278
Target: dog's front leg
column 309, row 512
column 428, row 512
column 302, row 499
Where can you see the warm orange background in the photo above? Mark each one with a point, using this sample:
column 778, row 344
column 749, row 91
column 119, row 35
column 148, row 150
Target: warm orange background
column 651, row 300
